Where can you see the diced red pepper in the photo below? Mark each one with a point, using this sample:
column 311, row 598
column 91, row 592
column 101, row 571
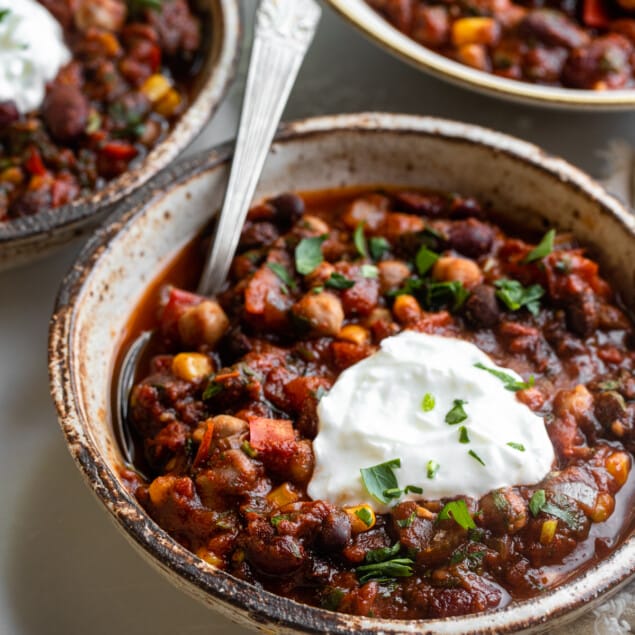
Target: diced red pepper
column 595, row 14
column 267, row 434
column 177, row 303
column 34, row 163
column 119, row 151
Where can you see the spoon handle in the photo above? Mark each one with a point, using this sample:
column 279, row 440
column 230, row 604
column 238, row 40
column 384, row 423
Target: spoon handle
column 284, row 30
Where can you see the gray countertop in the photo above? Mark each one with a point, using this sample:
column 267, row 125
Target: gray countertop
column 65, row 568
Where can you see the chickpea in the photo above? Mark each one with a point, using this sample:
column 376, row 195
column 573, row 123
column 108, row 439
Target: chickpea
column 323, row 311
column 406, row 308
column 463, row 270
column 227, row 426
column 204, row 323
column 392, row 274
column 109, row 15
column 314, row 225
column 577, row 402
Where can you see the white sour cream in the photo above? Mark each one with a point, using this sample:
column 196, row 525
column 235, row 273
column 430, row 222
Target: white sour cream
column 32, row 51
column 373, row 414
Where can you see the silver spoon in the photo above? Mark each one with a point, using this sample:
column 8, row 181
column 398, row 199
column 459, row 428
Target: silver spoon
column 283, row 32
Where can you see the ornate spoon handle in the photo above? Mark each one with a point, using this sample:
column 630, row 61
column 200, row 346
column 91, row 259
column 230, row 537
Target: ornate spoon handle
column 284, row 30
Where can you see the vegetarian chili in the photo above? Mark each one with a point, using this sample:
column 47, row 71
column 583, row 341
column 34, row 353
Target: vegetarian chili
column 585, row 44
column 224, row 409
column 131, row 75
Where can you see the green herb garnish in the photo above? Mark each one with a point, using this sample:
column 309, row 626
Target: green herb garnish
column 517, row 446
column 248, row 449
column 378, row 246
column 363, row 513
column 332, row 599
column 338, row 281
column 428, row 402
column 424, row 260
column 359, row 240
column 381, row 478
column 276, row 520
column 452, row 293
column 211, row 390
column 407, row 522
column 308, row 254
column 382, row 566
column 457, row 511
column 515, row 296
column 4, row 13
column 476, row 457
column 415, row 489
column 456, row 414
column 511, row 383
column 283, row 275
column 136, row 6
column 432, row 468
column 565, row 515
column 369, row 271
column 537, row 501
column 392, row 493
column 463, row 435
column 544, row 247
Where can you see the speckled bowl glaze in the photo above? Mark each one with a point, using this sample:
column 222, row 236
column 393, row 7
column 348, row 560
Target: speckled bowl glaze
column 117, row 264
column 32, row 237
column 358, row 13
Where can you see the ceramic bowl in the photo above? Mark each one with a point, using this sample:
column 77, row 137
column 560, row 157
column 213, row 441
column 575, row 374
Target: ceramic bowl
column 111, row 273
column 362, row 16
column 32, row 237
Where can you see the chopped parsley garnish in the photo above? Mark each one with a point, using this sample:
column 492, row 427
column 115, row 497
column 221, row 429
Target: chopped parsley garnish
column 515, row 296
column 359, row 240
column 364, row 514
column 516, row 446
column 393, row 492
column 369, row 271
column 4, row 13
column 276, row 520
column 537, row 501
column 378, row 246
column 432, row 468
column 457, row 511
column 318, row 289
column 407, row 522
column 428, row 402
column 473, row 558
column 511, row 383
column 463, row 435
column 308, row 254
column 212, row 389
column 451, row 293
column 424, row 260
column 332, row 599
column 380, row 479
column 476, row 457
column 283, row 275
column 456, row 414
column 338, row 281
column 382, row 566
column 248, row 449
column 415, row 489
column 544, row 247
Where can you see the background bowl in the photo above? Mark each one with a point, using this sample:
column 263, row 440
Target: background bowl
column 358, row 13
column 117, row 264
column 31, row 237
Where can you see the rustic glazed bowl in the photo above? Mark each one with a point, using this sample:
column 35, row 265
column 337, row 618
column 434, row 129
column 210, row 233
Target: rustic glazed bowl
column 32, row 237
column 362, row 16
column 123, row 257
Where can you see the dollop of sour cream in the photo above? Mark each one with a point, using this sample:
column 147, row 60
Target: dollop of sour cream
column 375, row 413
column 32, row 51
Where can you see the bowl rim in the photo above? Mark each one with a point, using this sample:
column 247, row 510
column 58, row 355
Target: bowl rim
column 224, row 15
column 229, row 594
column 391, row 39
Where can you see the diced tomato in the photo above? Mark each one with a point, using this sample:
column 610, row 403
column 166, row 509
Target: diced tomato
column 119, row 150
column 595, row 14
column 177, row 303
column 34, row 163
column 265, row 434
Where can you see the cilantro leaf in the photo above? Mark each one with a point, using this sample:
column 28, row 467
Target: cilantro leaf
column 381, row 478
column 458, row 511
column 382, row 553
column 359, row 240
column 424, row 260
column 282, row 274
column 537, row 501
column 332, row 599
column 338, row 281
column 378, row 246
column 382, row 566
column 456, row 414
column 515, row 296
column 565, row 515
column 544, row 247
column 428, row 402
column 463, row 435
column 451, row 293
column 516, row 446
column 511, row 383
column 432, row 468
column 308, row 254
column 212, row 389
column 407, row 522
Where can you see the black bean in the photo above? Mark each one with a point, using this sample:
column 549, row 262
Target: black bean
column 65, row 112
column 582, row 314
column 471, row 237
column 481, row 308
column 336, row 531
column 289, row 207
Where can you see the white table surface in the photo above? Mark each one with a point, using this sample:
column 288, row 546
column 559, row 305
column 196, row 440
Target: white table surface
column 64, row 567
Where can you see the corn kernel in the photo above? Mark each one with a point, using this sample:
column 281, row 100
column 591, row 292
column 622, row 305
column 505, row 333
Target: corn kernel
column 158, row 489
column 156, row 87
column 406, row 308
column 12, row 175
column 604, row 506
column 354, row 333
column 210, row 557
column 191, row 366
column 283, row 495
column 478, row 30
column 548, row 531
column 618, row 466
column 359, row 515
column 168, row 104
